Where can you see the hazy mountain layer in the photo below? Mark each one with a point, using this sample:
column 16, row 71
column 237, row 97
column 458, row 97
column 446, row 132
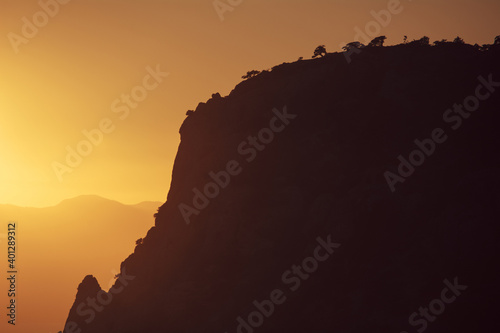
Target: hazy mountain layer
column 58, row 245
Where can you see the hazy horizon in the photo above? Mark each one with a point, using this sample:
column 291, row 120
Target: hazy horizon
column 63, row 241
column 87, row 195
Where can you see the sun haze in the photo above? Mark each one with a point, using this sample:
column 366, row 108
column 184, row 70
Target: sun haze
column 90, row 78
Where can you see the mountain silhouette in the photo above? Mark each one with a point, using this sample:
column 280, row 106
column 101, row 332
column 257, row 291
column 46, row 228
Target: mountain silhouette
column 57, row 245
column 326, row 196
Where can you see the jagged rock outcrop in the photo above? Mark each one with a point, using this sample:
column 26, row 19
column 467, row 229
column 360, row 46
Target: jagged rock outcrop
column 87, row 290
column 318, row 176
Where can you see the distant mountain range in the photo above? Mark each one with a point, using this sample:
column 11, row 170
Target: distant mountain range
column 57, row 244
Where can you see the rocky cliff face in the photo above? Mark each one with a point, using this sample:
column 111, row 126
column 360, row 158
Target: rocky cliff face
column 324, row 196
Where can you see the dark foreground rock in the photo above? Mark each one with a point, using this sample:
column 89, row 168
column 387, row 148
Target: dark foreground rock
column 313, row 191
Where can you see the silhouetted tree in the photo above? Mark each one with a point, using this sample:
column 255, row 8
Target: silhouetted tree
column 320, row 51
column 439, row 42
column 378, row 41
column 424, row 41
column 139, row 241
column 405, row 39
column 301, row 58
column 188, row 113
column 351, row 45
column 250, row 74
column 497, row 40
column 458, row 40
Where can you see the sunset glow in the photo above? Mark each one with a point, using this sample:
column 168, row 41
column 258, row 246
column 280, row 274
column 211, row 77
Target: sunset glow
column 64, row 79
column 92, row 96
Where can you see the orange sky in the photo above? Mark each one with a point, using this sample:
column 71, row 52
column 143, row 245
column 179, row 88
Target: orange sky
column 64, row 79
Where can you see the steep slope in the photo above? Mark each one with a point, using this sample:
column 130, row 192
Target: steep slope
column 58, row 245
column 319, row 176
